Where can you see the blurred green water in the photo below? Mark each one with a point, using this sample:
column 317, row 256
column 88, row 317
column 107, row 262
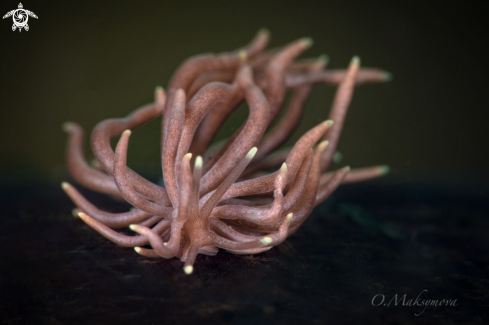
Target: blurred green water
column 87, row 61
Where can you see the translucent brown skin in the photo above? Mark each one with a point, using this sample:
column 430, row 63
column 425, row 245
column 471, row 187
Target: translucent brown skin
column 291, row 120
column 230, row 200
column 104, row 154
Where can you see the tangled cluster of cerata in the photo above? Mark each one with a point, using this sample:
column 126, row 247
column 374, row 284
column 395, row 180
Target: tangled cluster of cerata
column 242, row 195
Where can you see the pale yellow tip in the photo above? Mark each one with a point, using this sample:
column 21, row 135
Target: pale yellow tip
column 75, row 212
column 198, row 162
column 66, row 127
column 355, row 60
column 251, row 153
column 388, row 76
column 243, row 55
column 323, row 58
column 266, row 240
column 137, row 249
column 347, row 168
column 65, row 186
column 188, row 156
column 159, row 90
column 307, row 41
column 264, row 31
column 384, row 169
column 289, row 216
column 323, row 144
column 329, row 123
column 188, row 269
column 127, row 133
column 81, row 215
column 132, row 227
column 283, row 168
column 159, row 95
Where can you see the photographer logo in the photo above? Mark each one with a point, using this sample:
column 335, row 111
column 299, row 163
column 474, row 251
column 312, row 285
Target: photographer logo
column 20, row 17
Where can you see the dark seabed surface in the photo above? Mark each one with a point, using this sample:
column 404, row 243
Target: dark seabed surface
column 378, row 238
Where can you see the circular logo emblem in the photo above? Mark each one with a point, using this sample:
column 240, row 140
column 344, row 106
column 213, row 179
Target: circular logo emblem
column 20, row 18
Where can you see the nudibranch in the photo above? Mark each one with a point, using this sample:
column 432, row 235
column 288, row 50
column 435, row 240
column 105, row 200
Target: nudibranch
column 244, row 195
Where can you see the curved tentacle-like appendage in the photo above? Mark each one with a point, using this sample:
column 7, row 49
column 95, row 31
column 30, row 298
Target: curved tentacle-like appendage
column 234, row 198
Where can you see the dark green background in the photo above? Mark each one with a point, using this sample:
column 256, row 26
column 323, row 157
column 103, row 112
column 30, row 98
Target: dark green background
column 423, row 227
column 85, row 61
